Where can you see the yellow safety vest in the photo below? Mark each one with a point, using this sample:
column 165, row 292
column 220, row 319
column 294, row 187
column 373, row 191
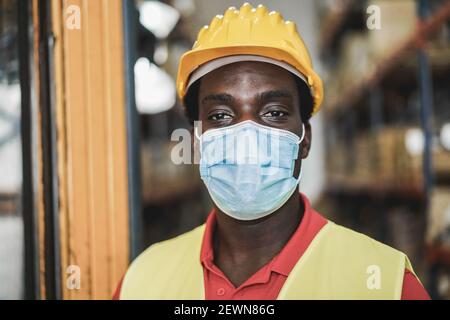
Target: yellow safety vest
column 338, row 264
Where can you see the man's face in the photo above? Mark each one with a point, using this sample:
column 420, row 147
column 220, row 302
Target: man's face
column 257, row 91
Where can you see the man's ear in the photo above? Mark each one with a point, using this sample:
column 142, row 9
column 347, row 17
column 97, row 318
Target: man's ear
column 305, row 145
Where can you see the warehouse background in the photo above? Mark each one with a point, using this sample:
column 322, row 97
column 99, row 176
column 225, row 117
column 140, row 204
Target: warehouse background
column 380, row 158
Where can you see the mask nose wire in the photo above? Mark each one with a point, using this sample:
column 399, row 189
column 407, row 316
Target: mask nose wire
column 299, row 141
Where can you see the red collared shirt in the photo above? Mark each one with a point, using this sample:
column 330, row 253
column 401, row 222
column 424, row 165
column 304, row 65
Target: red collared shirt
column 267, row 282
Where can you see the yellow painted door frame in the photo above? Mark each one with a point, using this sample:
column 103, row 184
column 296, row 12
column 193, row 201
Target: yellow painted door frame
column 89, row 97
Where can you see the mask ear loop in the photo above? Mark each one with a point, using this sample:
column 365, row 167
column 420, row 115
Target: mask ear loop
column 197, row 144
column 303, row 134
column 299, row 142
column 300, row 175
column 196, row 134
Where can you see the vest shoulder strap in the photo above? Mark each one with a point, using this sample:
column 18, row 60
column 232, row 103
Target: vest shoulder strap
column 343, row 264
column 169, row 269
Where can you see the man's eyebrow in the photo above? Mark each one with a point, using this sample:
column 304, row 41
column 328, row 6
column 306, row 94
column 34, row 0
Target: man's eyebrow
column 218, row 97
column 267, row 95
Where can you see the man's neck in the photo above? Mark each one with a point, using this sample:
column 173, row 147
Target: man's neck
column 242, row 247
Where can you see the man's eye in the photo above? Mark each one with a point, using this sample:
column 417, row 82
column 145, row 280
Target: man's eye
column 275, row 114
column 219, row 116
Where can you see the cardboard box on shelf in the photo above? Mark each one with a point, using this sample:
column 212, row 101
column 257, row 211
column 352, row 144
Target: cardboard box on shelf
column 397, row 22
column 378, row 159
column 366, row 158
column 441, row 162
column 356, row 59
column 396, row 164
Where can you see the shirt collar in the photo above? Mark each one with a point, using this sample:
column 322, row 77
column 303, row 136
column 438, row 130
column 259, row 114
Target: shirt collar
column 286, row 259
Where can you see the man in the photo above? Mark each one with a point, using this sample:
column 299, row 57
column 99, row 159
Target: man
column 249, row 80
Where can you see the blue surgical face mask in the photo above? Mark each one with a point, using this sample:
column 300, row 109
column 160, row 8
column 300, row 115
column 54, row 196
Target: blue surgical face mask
column 248, row 168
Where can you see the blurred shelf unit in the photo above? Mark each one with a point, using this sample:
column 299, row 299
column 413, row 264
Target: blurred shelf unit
column 387, row 161
column 376, row 164
column 368, row 57
column 395, row 73
column 372, row 103
column 375, row 143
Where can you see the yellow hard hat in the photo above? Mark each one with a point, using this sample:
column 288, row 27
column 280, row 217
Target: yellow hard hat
column 250, row 31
